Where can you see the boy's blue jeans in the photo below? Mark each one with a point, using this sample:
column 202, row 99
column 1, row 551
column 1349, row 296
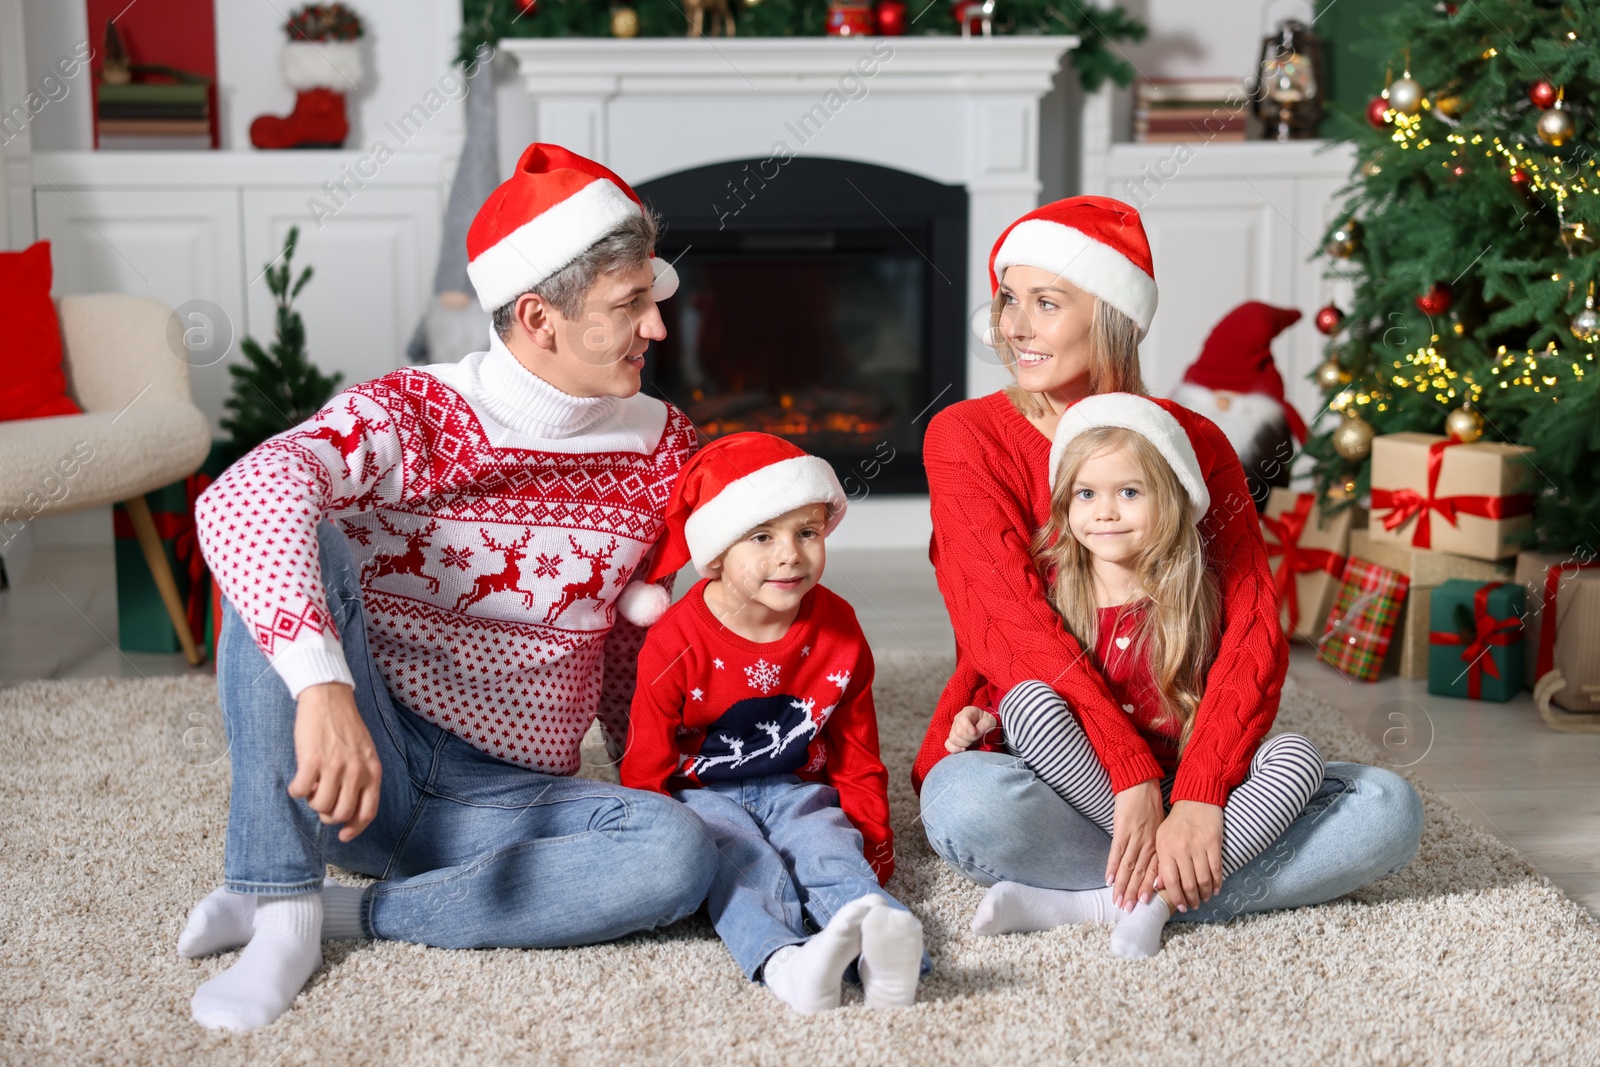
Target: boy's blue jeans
column 472, row 852
column 788, row 854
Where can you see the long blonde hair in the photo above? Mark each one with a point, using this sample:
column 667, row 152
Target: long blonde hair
column 1113, row 354
column 1177, row 632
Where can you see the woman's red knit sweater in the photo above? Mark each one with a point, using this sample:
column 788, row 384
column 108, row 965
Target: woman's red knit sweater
column 989, row 489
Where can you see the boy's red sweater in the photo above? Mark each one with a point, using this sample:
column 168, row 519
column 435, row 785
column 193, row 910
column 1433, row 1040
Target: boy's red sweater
column 711, row 706
column 988, row 483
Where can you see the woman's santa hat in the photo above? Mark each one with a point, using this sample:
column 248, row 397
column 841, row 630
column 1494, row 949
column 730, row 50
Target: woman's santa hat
column 1148, row 417
column 548, row 213
column 1237, row 357
column 1096, row 243
column 727, row 489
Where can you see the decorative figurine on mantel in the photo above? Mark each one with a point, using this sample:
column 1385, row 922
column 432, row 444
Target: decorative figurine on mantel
column 721, row 17
column 322, row 63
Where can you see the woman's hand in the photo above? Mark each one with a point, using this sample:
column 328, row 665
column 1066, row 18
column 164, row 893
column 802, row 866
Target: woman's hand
column 968, row 728
column 1189, row 853
column 1131, row 870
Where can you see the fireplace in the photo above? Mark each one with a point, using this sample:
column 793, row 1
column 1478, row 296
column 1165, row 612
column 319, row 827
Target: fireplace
column 822, row 300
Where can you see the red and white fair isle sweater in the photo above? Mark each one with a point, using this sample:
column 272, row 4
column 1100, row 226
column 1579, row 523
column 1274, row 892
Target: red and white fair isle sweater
column 494, row 520
column 713, row 706
column 989, row 489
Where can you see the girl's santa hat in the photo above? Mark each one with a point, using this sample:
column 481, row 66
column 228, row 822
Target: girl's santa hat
column 1237, row 357
column 1148, row 417
column 1096, row 243
column 725, row 490
column 548, row 213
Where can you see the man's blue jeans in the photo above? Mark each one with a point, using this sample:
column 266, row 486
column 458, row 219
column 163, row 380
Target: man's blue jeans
column 993, row 819
column 472, row 852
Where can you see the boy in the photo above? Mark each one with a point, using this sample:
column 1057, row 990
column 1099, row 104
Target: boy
column 754, row 708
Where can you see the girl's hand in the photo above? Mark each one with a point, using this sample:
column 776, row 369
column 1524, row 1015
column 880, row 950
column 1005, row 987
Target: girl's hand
column 1131, row 870
column 1189, row 851
column 968, row 728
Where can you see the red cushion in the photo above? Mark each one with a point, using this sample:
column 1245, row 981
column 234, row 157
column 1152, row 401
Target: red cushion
column 31, row 383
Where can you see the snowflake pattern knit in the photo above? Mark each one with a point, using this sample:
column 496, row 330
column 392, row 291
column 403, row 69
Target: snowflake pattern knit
column 494, row 520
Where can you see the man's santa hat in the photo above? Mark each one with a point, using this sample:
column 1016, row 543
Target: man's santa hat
column 548, row 213
column 727, row 489
column 1096, row 243
column 1237, row 357
column 1148, row 417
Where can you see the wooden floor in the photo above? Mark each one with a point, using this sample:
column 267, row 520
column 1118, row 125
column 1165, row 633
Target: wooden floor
column 1498, row 763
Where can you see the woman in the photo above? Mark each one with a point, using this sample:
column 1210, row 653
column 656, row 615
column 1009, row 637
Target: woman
column 1074, row 294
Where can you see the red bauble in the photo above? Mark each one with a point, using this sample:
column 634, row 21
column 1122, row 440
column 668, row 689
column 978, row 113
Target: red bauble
column 1519, row 177
column 1435, row 301
column 891, row 17
column 1542, row 93
column 1328, row 319
column 527, row 7
column 1376, row 112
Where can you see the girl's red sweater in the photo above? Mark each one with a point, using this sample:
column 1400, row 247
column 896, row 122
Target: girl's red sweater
column 988, row 483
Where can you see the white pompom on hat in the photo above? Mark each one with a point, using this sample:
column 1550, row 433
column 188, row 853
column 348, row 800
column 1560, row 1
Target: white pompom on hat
column 1096, row 243
column 1148, row 417
column 552, row 208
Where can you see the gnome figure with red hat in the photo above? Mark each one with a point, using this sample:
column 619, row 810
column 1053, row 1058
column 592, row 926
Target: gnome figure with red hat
column 758, row 716
column 421, row 624
column 1236, row 385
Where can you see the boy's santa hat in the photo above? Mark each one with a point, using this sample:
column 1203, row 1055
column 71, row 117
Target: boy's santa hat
column 1148, row 417
column 727, row 489
column 548, row 213
column 1237, row 357
column 1096, row 243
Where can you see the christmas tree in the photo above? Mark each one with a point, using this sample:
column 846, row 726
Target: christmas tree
column 1469, row 238
column 277, row 388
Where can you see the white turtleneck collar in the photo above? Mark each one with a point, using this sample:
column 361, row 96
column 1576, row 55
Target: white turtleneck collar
column 520, row 400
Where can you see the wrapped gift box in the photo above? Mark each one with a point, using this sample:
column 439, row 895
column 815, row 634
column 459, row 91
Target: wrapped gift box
column 1475, row 648
column 1361, row 624
column 1425, row 569
column 1306, row 551
column 1566, row 586
column 1469, row 499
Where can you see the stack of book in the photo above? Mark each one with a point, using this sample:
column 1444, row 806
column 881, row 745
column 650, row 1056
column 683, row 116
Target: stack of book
column 1189, row 109
column 146, row 115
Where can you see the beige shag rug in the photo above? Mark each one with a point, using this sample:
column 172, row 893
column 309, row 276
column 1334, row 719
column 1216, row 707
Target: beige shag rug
column 113, row 806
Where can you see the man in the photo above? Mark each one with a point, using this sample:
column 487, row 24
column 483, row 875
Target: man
column 421, row 586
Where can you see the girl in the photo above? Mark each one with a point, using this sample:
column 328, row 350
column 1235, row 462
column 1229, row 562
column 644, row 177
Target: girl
column 1127, row 571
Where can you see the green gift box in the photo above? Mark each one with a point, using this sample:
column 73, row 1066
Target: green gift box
column 1475, row 640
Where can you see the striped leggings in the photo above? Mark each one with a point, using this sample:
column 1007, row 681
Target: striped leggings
column 1041, row 731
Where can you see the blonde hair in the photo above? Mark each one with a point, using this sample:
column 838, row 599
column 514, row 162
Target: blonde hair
column 1113, row 355
column 1177, row 633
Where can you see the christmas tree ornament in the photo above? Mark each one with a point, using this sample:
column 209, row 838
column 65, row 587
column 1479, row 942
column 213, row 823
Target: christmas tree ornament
column 1542, row 93
column 1405, row 95
column 1556, row 126
column 891, row 17
column 1586, row 323
column 1435, row 301
column 624, row 22
column 1450, row 107
column 1344, row 241
column 1330, row 376
column 1463, row 425
column 1328, row 319
column 527, row 7
column 1378, row 112
column 1372, row 168
column 1353, row 438
column 1519, row 177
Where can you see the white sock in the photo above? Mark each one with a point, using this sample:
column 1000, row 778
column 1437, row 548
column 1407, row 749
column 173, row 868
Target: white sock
column 809, row 977
column 891, row 957
column 1014, row 908
column 224, row 921
column 284, row 951
column 1138, row 935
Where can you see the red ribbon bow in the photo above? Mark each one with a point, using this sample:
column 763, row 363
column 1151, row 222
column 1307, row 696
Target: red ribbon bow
column 1547, row 616
column 1487, row 631
column 1287, row 528
column 179, row 528
column 1404, row 504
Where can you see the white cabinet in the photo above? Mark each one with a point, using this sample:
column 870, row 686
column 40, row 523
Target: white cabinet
column 185, row 226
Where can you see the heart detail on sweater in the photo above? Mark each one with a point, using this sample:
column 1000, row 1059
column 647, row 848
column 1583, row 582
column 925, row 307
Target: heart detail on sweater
column 1128, row 708
column 1122, row 643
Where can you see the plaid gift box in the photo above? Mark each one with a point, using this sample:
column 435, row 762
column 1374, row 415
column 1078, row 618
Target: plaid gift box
column 1361, row 623
column 1475, row 647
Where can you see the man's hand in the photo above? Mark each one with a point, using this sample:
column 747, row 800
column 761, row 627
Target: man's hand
column 968, row 728
column 1189, row 851
column 337, row 768
column 1131, row 869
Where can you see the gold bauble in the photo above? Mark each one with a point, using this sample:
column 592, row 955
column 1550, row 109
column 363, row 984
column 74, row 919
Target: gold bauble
column 1353, row 438
column 1586, row 324
column 1555, row 126
column 1331, row 376
column 1344, row 241
column 624, row 22
column 1448, row 106
column 1463, row 425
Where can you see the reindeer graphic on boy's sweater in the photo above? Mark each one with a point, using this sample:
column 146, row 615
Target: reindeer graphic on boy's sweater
column 805, row 726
